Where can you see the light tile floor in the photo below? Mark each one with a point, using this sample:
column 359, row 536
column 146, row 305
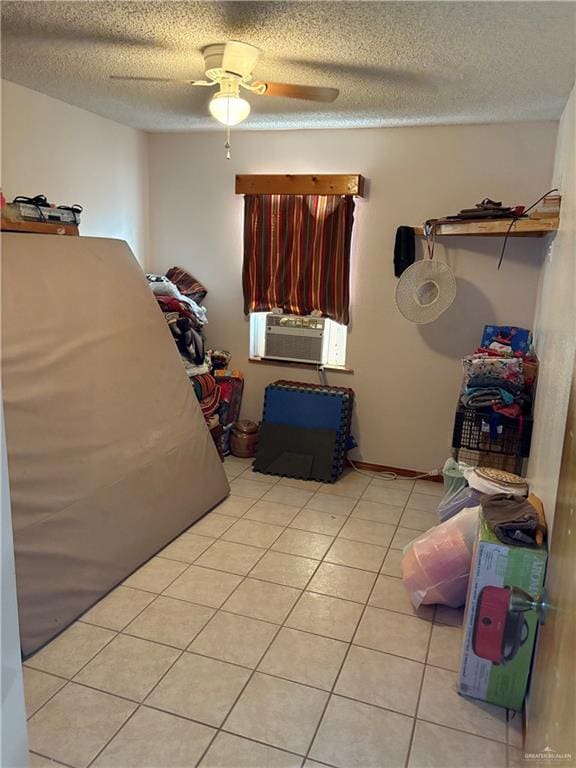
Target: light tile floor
column 275, row 632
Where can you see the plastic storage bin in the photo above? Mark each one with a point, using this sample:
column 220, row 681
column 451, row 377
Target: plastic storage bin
column 479, row 431
column 436, row 566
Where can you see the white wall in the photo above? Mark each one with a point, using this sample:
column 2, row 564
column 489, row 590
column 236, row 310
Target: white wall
column 555, row 326
column 13, row 735
column 74, row 156
column 406, row 377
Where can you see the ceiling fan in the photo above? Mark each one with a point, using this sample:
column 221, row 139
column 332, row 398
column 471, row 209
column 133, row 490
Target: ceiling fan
column 229, row 66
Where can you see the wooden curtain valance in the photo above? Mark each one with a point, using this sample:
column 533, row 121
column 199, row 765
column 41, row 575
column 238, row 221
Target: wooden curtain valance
column 301, row 184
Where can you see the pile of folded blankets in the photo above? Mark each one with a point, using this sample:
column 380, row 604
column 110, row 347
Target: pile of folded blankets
column 500, row 376
column 179, row 295
column 219, row 390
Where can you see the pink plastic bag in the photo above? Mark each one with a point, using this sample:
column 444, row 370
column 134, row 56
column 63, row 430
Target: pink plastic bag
column 436, row 566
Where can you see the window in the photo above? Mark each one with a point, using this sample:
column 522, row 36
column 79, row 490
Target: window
column 297, row 254
column 333, row 348
column 296, row 265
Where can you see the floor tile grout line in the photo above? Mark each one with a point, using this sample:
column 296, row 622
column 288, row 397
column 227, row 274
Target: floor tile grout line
column 180, row 655
column 124, row 633
column 123, row 583
column 53, row 759
column 269, row 548
column 71, row 679
column 243, row 577
column 237, row 699
column 334, row 537
column 280, row 627
column 26, row 665
column 116, row 732
column 107, row 693
column 274, row 623
column 187, row 718
column 264, row 744
column 195, row 562
column 193, row 651
column 358, row 624
column 64, row 684
column 121, row 630
column 219, row 570
column 421, row 688
column 255, row 741
column 460, row 730
column 337, row 677
column 335, row 683
column 142, row 703
column 269, row 581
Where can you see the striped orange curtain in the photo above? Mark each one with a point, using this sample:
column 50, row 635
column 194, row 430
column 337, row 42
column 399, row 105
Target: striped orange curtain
column 297, row 254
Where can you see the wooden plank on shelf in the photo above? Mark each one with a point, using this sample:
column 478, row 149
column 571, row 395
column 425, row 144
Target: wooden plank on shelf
column 495, row 228
column 300, row 184
column 39, row 228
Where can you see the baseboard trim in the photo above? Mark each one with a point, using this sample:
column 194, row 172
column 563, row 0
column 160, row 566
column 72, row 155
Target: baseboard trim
column 400, row 471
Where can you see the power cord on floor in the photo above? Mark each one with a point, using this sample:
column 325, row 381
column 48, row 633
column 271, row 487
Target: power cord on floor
column 377, row 475
column 393, row 475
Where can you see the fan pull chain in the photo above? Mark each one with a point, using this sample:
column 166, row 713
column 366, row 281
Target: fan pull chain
column 227, row 145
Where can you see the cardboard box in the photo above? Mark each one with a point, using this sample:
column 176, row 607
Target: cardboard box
column 498, row 638
column 506, row 338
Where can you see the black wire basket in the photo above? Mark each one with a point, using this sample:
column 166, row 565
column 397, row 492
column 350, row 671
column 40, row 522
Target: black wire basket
column 489, row 432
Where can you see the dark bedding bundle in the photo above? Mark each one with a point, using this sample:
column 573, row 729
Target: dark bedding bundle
column 187, row 284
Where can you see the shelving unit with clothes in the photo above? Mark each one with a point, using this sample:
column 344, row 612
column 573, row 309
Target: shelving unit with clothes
column 218, row 389
column 493, row 420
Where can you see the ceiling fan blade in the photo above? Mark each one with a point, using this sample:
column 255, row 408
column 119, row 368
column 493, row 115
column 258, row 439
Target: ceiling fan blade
column 153, row 79
column 307, row 92
column 383, row 75
column 240, row 58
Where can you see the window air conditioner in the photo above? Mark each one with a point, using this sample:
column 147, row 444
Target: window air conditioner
column 295, row 338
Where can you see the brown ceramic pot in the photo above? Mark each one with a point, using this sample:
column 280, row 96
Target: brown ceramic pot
column 244, row 439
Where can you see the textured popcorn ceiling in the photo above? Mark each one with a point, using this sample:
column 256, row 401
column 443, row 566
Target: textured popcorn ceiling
column 395, row 63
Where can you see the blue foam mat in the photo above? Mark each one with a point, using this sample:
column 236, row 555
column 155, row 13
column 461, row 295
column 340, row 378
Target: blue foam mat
column 305, row 409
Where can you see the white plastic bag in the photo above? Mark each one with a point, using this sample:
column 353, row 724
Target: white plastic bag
column 436, row 566
column 453, row 475
column 452, row 503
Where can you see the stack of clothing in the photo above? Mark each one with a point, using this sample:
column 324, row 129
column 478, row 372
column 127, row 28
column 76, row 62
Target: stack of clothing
column 515, row 520
column 500, row 376
column 218, row 389
column 179, row 295
column 209, row 394
column 184, row 315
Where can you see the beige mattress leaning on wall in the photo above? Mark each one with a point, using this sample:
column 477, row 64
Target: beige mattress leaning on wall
column 109, row 455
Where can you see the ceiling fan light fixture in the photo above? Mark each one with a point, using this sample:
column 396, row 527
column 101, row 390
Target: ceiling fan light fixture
column 229, row 109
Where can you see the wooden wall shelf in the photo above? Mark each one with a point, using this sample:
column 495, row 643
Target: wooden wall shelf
column 39, row 228
column 290, row 184
column 495, row 228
